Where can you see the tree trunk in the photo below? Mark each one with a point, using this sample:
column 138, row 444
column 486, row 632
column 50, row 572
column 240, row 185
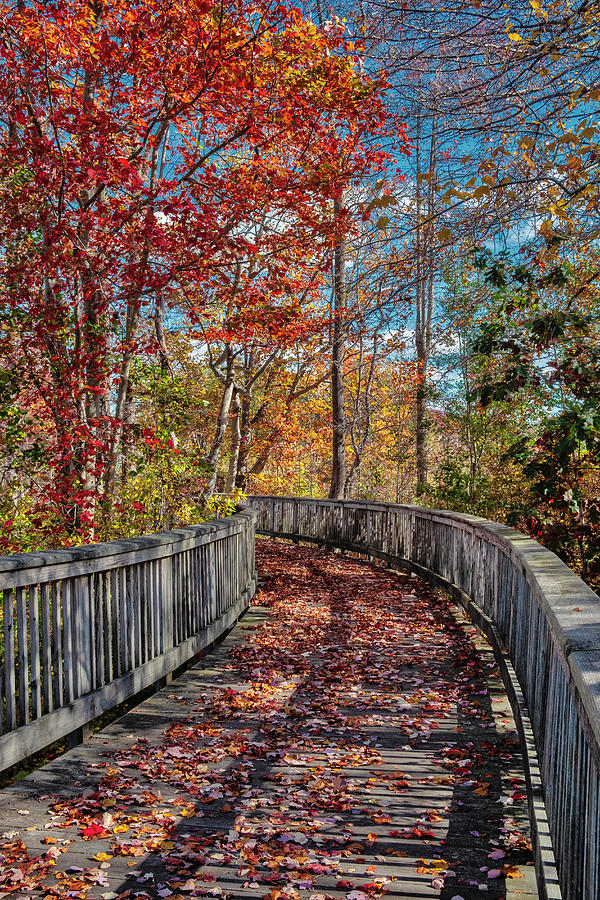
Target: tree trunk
column 260, row 463
column 338, row 471
column 131, row 328
column 241, row 478
column 424, row 291
column 235, row 443
column 214, row 454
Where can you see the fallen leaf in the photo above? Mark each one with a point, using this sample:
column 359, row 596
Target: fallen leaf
column 512, row 872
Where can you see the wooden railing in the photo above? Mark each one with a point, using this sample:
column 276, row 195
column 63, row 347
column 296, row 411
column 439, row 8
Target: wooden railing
column 87, row 628
column 545, row 624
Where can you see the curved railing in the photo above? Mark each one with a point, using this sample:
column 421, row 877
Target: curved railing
column 534, row 606
column 87, row 628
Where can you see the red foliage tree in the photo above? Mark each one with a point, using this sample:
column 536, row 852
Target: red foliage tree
column 140, row 142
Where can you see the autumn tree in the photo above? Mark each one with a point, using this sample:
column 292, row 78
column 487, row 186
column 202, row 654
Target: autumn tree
column 138, row 142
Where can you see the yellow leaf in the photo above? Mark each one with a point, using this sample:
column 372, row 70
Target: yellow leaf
column 536, row 4
column 515, row 37
column 188, row 812
column 512, row 872
column 103, row 857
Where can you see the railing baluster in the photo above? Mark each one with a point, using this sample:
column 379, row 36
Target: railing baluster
column 187, row 599
column 9, row 659
column 35, row 678
column 136, row 597
column 115, row 625
column 22, row 656
column 100, row 628
column 124, row 622
column 90, row 634
column 47, row 696
column 155, row 586
column 57, row 644
column 108, row 625
column 67, row 596
column 131, row 616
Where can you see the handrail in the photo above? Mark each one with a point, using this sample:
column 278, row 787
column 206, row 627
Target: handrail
column 545, row 616
column 86, row 628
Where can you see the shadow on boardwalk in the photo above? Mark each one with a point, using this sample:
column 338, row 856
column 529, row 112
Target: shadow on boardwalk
column 351, row 740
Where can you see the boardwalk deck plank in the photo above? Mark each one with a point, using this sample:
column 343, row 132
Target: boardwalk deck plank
column 190, row 701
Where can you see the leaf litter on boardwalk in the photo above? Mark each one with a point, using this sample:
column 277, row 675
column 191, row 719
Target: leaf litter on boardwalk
column 349, row 649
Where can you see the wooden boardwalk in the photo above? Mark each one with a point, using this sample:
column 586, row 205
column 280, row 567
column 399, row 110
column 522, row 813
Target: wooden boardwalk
column 350, row 738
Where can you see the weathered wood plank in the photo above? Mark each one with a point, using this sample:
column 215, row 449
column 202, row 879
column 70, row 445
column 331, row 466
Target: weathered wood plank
column 115, row 656
column 124, row 623
column 107, row 630
column 57, row 644
column 166, row 611
column 131, row 616
column 35, row 678
column 146, row 612
column 175, row 592
column 81, row 637
column 69, row 650
column 9, row 684
column 101, row 627
column 153, row 588
column 187, row 594
column 196, row 586
column 22, row 656
column 47, row 701
column 136, row 606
